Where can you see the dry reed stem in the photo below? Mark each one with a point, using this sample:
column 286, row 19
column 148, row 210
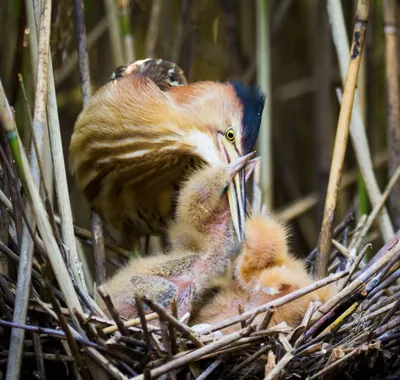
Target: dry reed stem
column 153, row 29
column 96, row 224
column 357, row 128
column 86, row 326
column 211, row 368
column 271, row 363
column 33, row 21
column 143, row 321
column 377, row 208
column 113, row 311
column 249, row 360
column 106, row 365
column 393, row 250
column 60, row 177
column 37, row 346
column 42, row 173
column 177, row 47
column 130, row 323
column 354, row 266
column 387, row 282
column 98, row 246
column 82, row 51
column 366, row 317
column 114, row 29
column 280, row 366
column 264, row 140
column 330, row 368
column 183, row 329
column 196, row 354
column 342, row 133
column 390, row 313
column 257, row 193
column 266, row 319
column 26, row 254
column 63, row 323
column 49, row 357
column 393, row 101
column 52, row 249
column 312, row 307
column 126, row 30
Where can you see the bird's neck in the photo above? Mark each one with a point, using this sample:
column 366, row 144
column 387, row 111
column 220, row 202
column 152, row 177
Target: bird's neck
column 217, row 257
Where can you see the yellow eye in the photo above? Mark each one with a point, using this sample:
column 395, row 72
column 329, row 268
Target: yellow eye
column 230, row 135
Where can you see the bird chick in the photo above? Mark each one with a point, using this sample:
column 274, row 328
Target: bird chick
column 265, row 270
column 183, row 274
column 163, row 73
column 198, row 223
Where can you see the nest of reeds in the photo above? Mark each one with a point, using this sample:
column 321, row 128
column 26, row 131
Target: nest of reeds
column 355, row 334
column 50, row 326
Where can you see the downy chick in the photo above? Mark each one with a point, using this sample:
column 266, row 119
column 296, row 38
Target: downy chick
column 265, row 270
column 203, row 213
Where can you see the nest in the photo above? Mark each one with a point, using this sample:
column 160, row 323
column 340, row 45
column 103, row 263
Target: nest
column 355, row 334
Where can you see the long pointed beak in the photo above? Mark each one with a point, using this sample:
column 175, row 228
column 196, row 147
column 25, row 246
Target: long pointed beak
column 250, row 167
column 236, row 193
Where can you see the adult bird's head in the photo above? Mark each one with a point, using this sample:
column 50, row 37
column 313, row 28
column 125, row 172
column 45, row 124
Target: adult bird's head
column 224, row 121
column 142, row 133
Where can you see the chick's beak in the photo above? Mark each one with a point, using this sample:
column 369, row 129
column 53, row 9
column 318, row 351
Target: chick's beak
column 236, row 191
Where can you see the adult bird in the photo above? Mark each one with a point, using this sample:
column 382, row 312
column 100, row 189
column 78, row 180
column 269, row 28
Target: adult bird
column 144, row 131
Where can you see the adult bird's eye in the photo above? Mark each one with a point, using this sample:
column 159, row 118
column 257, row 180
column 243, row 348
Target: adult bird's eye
column 230, row 135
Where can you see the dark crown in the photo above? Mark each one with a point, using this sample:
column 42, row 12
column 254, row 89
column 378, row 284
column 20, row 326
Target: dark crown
column 253, row 100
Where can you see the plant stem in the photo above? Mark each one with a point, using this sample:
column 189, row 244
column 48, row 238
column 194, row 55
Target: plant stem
column 82, row 51
column 325, row 240
column 26, row 255
column 153, row 29
column 393, row 102
column 115, row 35
column 357, row 128
column 126, row 30
column 264, row 81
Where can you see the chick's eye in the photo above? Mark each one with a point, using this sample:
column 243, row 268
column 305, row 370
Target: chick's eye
column 225, row 189
column 230, row 135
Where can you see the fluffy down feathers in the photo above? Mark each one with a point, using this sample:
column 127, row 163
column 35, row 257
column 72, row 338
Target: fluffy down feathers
column 265, row 271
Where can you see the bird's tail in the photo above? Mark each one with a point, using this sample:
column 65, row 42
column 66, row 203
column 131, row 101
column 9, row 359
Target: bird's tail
column 163, row 73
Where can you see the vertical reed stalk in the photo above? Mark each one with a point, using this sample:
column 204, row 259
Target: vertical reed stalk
column 96, row 224
column 264, row 81
column 362, row 195
column 342, row 134
column 44, row 227
column 152, row 32
column 357, row 128
column 323, row 103
column 26, row 253
column 126, row 30
column 393, row 103
column 115, row 34
column 82, row 51
column 176, row 51
column 60, row 176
